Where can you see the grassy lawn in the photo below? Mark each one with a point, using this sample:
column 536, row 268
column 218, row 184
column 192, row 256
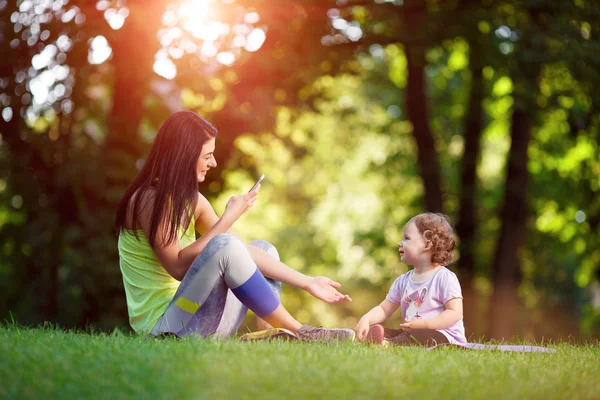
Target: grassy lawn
column 47, row 363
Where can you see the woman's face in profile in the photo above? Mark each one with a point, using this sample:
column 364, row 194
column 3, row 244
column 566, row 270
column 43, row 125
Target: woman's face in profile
column 206, row 160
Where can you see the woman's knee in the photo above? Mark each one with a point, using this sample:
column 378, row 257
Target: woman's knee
column 223, row 238
column 275, row 287
column 267, row 247
column 272, row 251
column 228, row 242
column 222, row 245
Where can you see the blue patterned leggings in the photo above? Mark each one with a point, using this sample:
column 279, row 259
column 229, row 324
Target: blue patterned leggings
column 220, row 286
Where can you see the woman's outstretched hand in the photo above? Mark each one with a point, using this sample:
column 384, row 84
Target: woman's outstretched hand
column 325, row 289
column 238, row 205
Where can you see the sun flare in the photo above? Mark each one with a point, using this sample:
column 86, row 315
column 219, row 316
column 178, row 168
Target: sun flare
column 197, row 11
column 199, row 27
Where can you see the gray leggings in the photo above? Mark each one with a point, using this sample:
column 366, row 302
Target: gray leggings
column 204, row 303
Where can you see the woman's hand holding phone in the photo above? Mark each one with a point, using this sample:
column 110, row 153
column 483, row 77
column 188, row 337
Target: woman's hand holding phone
column 257, row 184
column 238, row 205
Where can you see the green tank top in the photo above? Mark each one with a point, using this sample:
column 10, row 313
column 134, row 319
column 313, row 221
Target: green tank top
column 148, row 286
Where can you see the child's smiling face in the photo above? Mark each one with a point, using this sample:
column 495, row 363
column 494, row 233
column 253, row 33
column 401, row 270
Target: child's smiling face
column 413, row 246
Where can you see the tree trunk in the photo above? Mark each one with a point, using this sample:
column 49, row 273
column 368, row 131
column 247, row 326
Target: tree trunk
column 416, row 106
column 506, row 266
column 467, row 224
column 134, row 47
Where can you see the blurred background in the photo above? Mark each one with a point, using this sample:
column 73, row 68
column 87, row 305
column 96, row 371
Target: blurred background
column 361, row 114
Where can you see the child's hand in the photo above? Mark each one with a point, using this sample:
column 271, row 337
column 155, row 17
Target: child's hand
column 416, row 324
column 361, row 329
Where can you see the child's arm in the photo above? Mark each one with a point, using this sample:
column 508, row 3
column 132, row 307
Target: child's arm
column 451, row 315
column 377, row 315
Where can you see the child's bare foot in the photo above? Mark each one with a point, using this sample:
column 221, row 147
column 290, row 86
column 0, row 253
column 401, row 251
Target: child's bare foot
column 375, row 335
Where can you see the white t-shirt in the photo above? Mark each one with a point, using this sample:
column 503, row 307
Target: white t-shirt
column 426, row 299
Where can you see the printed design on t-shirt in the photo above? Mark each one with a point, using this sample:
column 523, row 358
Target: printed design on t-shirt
column 412, row 312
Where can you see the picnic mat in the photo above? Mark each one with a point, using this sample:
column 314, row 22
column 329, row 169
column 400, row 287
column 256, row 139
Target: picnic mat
column 497, row 347
column 281, row 333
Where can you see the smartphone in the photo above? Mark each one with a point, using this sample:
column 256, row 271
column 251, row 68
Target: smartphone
column 257, row 182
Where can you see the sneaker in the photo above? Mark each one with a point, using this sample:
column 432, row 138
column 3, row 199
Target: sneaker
column 375, row 335
column 325, row 335
column 269, row 334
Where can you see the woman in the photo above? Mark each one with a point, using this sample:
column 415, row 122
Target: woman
column 177, row 284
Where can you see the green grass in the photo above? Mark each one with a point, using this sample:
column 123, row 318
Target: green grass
column 49, row 363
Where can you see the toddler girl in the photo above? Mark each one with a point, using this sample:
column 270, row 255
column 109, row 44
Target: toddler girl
column 429, row 294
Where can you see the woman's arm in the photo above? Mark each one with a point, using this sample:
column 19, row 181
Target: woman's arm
column 321, row 287
column 176, row 260
column 451, row 315
column 206, row 219
column 275, row 269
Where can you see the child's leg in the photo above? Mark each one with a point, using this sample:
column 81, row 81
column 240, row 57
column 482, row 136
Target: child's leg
column 377, row 334
column 390, row 333
column 415, row 337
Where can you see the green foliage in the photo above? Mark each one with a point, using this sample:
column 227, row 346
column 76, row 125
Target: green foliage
column 322, row 204
column 328, row 126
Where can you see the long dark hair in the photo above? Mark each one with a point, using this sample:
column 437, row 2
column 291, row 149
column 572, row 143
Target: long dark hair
column 169, row 176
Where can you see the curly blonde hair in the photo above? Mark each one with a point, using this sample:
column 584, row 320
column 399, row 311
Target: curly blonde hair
column 437, row 229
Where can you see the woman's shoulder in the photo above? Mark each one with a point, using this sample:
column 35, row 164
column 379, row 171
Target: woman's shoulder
column 202, row 200
column 145, row 207
column 146, row 195
column 202, row 205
